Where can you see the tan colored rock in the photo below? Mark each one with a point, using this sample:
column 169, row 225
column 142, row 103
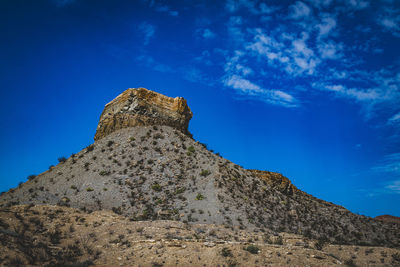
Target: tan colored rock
column 277, row 181
column 142, row 107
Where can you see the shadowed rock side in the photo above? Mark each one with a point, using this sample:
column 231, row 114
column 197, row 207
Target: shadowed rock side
column 158, row 172
column 142, row 107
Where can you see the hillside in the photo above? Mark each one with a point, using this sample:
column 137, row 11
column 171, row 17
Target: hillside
column 145, row 166
column 388, row 218
column 45, row 235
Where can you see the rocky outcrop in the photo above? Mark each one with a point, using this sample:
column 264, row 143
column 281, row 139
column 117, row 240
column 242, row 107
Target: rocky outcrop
column 142, row 107
column 277, row 181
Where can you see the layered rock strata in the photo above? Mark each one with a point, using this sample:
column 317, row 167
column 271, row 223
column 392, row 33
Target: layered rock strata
column 142, row 107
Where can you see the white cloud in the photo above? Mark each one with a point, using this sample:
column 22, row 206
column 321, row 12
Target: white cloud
column 394, row 186
column 329, row 50
column 299, row 10
column 250, row 5
column 238, row 83
column 358, row 4
column 390, row 164
column 208, row 34
column 390, row 21
column 320, row 3
column 276, row 97
column 243, row 70
column 295, row 57
column 266, row 9
column 148, row 31
column 167, row 9
column 234, row 5
column 234, row 27
column 395, row 118
column 325, row 27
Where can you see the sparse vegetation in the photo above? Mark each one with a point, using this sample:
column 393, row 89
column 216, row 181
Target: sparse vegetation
column 103, row 173
column 31, row 177
column 90, row 148
column 62, row 159
column 199, row 197
column 252, row 249
column 110, row 143
column 156, row 187
column 226, row 252
column 205, row 173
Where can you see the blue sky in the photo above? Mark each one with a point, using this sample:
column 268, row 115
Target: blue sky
column 310, row 89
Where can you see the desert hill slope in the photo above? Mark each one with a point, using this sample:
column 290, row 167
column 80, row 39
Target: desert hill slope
column 145, row 165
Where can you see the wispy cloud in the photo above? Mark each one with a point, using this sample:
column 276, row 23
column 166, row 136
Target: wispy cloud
column 296, row 57
column 148, row 31
column 395, row 119
column 244, row 86
column 251, row 6
column 358, row 4
column 208, row 34
column 166, row 9
column 394, row 186
column 299, row 10
column 330, row 50
column 389, row 164
column 390, row 20
column 327, row 24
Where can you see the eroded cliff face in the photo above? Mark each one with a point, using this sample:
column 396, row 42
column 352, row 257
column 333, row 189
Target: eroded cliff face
column 277, row 181
column 142, row 107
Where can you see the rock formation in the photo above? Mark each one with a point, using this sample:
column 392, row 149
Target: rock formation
column 388, row 218
column 277, row 181
column 142, row 107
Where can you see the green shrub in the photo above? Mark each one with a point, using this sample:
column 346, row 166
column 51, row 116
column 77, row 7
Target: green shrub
column 279, row 241
column 180, row 190
column 62, row 159
column 103, row 173
column 252, row 249
column 205, row 173
column 396, row 257
column 199, row 197
column 320, row 244
column 110, row 143
column 89, row 189
column 226, row 252
column 350, row 263
column 31, row 177
column 156, row 187
column 90, row 148
column 191, row 149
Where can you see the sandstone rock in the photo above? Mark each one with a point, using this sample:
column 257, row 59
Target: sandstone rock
column 142, row 107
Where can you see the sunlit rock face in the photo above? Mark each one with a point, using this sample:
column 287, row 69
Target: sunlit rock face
column 142, row 107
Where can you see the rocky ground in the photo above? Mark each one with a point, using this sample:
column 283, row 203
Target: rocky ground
column 46, row 235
